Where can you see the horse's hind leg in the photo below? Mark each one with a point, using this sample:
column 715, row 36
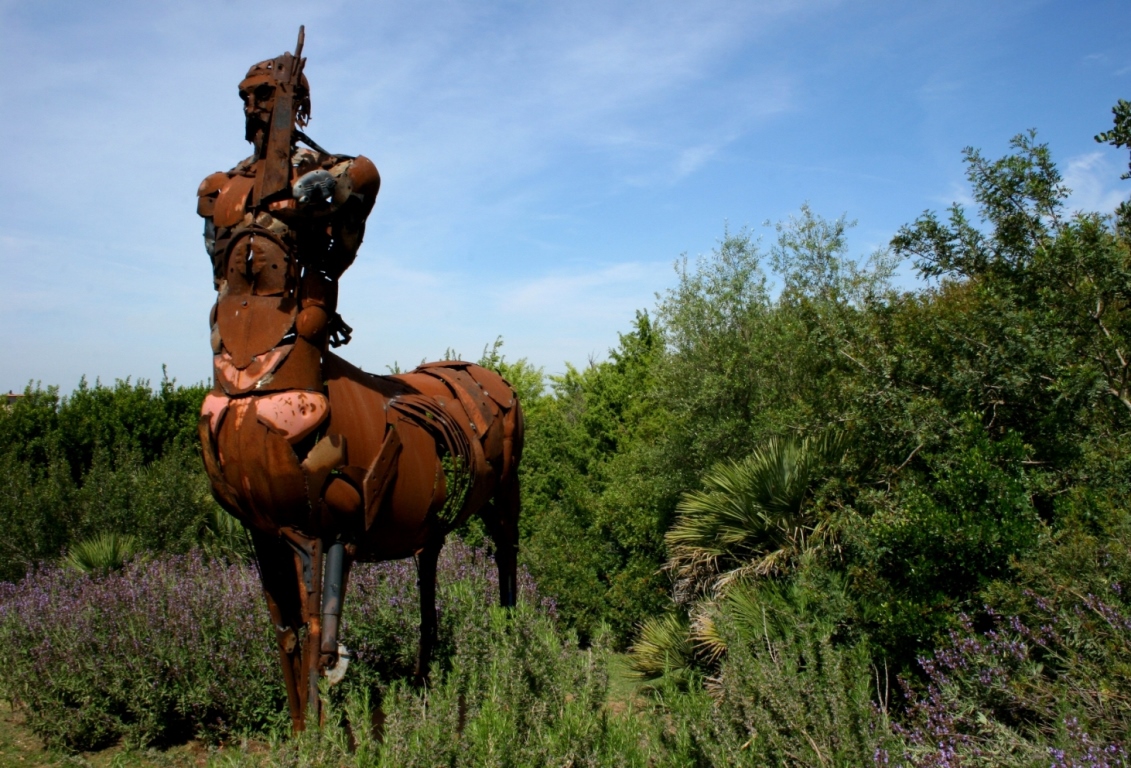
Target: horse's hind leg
column 501, row 518
column 280, row 586
column 426, row 582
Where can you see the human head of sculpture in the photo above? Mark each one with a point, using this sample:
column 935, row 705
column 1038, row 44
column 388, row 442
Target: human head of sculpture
column 257, row 90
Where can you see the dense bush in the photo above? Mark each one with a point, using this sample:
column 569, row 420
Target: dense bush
column 979, row 409
column 596, row 498
column 121, row 459
column 42, row 426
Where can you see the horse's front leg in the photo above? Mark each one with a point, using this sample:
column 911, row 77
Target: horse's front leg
column 280, row 582
column 426, row 582
column 313, row 602
column 334, row 660
column 308, row 564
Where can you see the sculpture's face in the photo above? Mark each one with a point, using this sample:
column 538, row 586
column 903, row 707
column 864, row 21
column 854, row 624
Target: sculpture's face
column 258, row 95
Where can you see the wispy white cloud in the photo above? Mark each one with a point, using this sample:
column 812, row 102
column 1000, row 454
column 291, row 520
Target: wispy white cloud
column 693, row 158
column 1094, row 181
column 601, row 78
column 589, row 293
column 465, row 108
column 400, row 313
column 958, row 192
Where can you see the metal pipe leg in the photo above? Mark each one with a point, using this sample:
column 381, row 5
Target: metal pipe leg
column 332, row 601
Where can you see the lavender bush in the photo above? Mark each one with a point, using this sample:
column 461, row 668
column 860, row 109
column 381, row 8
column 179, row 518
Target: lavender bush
column 161, row 650
column 792, row 686
column 1047, row 682
column 513, row 692
column 178, row 646
column 998, row 698
column 508, row 689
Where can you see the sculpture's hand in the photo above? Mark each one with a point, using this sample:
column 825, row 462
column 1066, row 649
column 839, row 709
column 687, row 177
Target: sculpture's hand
column 314, row 187
column 340, row 332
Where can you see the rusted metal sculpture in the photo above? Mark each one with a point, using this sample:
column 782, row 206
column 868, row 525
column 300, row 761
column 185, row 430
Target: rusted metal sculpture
column 325, row 464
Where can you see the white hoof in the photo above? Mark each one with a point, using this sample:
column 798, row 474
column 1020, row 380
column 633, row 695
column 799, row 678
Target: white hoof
column 335, row 673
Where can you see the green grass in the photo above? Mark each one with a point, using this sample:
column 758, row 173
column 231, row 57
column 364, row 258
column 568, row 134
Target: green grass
column 20, row 747
column 624, row 689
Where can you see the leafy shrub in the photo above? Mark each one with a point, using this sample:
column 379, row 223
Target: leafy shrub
column 791, row 689
column 165, row 503
column 944, row 535
column 36, row 512
column 596, row 501
column 43, row 426
column 121, row 459
column 1043, row 675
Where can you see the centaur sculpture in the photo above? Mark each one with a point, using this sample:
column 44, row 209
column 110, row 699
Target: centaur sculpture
column 325, row 464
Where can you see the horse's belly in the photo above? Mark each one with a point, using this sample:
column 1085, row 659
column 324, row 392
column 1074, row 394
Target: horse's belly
column 402, row 525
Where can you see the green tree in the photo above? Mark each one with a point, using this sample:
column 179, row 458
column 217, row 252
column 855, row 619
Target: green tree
column 1119, row 136
column 592, row 523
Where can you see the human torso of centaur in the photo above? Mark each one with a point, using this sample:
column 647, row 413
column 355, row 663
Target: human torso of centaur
column 276, row 270
column 295, row 437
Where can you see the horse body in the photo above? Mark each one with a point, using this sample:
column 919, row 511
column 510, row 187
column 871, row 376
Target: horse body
column 374, row 482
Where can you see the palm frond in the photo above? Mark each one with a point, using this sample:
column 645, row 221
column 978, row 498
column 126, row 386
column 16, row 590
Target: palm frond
column 102, row 554
column 663, row 645
column 706, row 634
column 223, row 537
column 752, row 513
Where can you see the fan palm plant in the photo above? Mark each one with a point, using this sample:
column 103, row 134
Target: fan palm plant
column 812, row 605
column 752, row 519
column 222, row 536
column 752, row 516
column 663, row 647
column 768, row 613
column 102, row 554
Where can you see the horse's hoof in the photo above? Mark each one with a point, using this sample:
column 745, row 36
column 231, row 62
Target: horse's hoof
column 335, row 673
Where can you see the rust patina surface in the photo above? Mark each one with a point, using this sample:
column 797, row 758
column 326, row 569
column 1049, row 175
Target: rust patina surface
column 325, row 464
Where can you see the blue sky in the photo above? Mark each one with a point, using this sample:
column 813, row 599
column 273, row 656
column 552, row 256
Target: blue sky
column 543, row 164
